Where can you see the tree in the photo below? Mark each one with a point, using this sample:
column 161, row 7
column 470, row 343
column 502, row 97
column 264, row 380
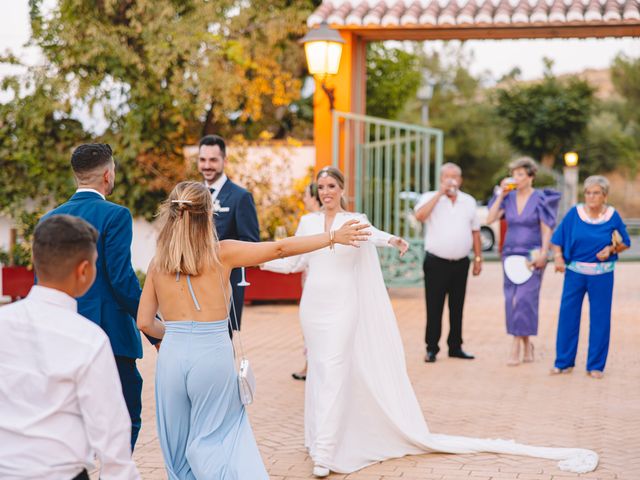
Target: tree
column 393, row 77
column 546, row 118
column 606, row 146
column 163, row 72
column 625, row 74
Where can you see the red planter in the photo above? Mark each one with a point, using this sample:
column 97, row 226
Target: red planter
column 17, row 281
column 272, row 286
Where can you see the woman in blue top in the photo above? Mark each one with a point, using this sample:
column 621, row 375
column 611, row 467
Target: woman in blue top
column 586, row 247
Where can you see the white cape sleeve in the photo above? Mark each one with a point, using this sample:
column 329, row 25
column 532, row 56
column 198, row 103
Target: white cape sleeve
column 379, row 355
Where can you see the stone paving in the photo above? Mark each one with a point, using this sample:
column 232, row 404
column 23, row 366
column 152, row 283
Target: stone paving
column 481, row 398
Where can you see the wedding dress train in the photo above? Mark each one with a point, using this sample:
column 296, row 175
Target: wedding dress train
column 360, row 407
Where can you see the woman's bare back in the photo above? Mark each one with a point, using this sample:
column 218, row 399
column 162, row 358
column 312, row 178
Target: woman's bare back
column 175, row 302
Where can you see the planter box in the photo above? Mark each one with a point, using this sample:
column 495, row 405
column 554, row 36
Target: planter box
column 16, row 281
column 272, row 286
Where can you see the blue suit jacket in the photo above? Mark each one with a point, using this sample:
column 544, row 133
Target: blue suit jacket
column 241, row 221
column 112, row 301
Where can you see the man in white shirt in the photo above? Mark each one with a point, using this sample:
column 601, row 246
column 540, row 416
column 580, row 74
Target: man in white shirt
column 452, row 229
column 61, row 403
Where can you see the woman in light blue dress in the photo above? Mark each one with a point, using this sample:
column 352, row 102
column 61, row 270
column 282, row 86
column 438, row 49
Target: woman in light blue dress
column 203, row 427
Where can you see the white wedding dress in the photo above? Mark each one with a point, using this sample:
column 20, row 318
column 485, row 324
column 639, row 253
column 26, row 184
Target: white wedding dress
column 360, row 407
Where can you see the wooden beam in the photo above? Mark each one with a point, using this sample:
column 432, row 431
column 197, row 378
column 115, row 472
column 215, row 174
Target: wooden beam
column 493, row 32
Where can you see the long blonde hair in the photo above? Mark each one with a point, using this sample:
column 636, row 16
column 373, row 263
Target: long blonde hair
column 188, row 241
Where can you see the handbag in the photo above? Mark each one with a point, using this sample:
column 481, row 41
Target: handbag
column 246, row 378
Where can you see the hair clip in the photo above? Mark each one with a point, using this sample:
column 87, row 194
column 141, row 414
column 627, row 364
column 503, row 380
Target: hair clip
column 181, row 201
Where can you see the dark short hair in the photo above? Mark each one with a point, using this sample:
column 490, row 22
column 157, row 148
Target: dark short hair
column 213, row 140
column 60, row 242
column 312, row 188
column 90, row 156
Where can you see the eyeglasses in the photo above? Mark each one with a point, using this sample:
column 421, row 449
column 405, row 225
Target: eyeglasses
column 593, row 194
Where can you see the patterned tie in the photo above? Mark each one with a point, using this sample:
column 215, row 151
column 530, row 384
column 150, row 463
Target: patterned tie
column 211, row 190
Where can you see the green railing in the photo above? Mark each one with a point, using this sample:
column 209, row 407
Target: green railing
column 388, row 165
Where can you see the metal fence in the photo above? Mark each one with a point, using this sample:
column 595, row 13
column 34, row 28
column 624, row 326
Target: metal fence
column 388, row 164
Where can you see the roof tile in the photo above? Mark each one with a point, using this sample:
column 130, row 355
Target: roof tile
column 430, row 13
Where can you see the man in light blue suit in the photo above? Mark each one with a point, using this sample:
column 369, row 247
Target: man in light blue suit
column 112, row 301
column 235, row 214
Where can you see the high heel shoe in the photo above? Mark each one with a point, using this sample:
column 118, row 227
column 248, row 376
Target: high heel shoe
column 527, row 358
column 320, row 472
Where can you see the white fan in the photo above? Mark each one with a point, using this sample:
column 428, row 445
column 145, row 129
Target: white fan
column 517, row 269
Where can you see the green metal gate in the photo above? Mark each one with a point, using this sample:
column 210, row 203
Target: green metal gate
column 388, row 165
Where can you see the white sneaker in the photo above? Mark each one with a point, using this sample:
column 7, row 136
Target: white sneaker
column 320, row 471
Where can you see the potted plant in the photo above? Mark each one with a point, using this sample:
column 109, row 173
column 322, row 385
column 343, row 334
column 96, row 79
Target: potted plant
column 17, row 275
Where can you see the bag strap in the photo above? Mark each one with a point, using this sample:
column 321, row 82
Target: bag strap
column 231, row 305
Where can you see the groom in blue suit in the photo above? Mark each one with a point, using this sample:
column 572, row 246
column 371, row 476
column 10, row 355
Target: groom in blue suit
column 235, row 214
column 112, row 301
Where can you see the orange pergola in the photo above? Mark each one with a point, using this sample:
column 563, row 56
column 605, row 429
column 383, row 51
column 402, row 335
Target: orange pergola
column 362, row 21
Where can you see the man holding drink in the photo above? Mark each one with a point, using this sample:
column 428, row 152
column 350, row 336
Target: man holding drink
column 452, row 229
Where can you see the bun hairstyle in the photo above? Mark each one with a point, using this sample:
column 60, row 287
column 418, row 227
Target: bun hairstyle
column 188, row 242
column 527, row 163
column 337, row 175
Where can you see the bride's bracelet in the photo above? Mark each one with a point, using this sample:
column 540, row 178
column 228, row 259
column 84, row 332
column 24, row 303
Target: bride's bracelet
column 332, row 239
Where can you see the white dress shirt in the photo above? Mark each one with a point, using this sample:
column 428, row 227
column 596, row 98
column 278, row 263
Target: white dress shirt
column 80, row 190
column 448, row 232
column 61, row 402
column 217, row 185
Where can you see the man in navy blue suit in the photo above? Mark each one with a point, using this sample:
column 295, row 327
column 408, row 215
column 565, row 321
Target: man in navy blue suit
column 235, row 214
column 112, row 301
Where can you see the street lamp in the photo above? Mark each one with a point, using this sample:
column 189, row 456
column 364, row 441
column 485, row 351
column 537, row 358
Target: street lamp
column 571, row 159
column 425, row 94
column 570, row 179
column 323, row 49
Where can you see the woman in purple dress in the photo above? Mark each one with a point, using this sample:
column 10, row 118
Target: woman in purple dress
column 530, row 215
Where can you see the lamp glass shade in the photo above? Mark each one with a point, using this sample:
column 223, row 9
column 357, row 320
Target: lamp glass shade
column 571, row 159
column 323, row 57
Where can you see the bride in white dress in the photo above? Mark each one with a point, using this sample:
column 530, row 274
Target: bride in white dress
column 360, row 407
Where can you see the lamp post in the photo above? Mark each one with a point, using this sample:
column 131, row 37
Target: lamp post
column 570, row 180
column 323, row 49
column 425, row 94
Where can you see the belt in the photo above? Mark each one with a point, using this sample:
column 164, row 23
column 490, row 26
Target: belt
column 447, row 260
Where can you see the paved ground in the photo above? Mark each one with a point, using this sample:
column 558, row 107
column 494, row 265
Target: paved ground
column 482, row 398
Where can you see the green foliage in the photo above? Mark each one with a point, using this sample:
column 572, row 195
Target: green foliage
column 37, row 134
column 625, row 74
column 20, row 254
column 605, row 146
column 546, row 119
column 393, row 77
column 473, row 140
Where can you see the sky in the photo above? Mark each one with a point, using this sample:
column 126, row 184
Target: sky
column 494, row 56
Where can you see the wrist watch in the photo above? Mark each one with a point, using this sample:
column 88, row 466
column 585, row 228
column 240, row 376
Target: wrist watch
column 477, row 258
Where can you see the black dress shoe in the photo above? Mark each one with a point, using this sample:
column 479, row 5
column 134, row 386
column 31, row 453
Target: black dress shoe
column 461, row 354
column 430, row 357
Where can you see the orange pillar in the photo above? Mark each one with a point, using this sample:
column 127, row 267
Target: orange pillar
column 349, row 86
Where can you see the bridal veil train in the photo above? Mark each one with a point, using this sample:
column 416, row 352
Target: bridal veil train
column 360, row 407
